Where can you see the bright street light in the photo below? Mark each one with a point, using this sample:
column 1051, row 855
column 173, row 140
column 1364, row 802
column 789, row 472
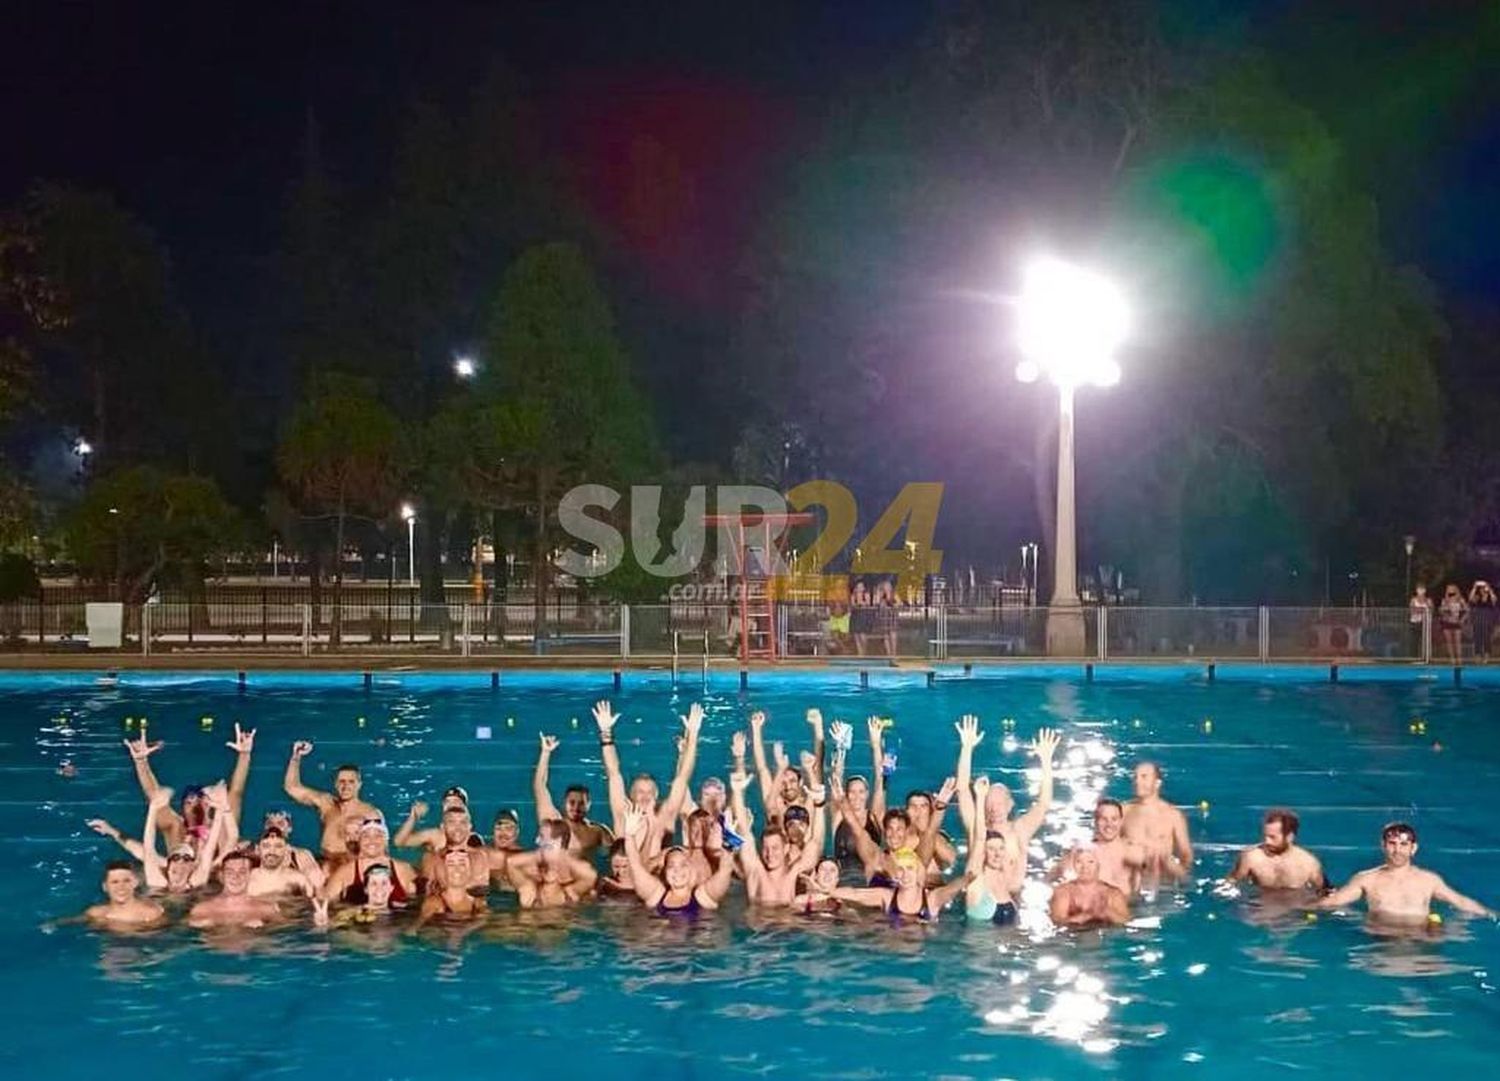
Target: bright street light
column 409, row 513
column 464, row 367
column 83, row 448
column 1069, row 322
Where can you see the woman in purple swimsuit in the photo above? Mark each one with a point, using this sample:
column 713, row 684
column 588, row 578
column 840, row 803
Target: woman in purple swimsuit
column 672, row 893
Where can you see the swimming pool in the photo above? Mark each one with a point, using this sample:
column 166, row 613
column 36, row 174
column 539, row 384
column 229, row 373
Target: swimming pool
column 1218, row 989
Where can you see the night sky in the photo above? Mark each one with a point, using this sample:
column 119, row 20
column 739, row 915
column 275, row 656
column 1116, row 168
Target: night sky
column 193, row 114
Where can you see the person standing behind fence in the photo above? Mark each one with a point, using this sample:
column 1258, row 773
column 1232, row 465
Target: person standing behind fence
column 861, row 616
column 1482, row 603
column 1419, row 609
column 1452, row 612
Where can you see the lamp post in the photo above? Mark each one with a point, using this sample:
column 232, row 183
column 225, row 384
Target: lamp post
column 1411, row 544
column 1070, row 321
column 409, row 513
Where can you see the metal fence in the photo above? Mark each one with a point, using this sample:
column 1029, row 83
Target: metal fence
column 400, row 623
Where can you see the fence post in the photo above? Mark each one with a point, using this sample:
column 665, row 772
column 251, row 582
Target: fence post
column 1263, row 634
column 145, row 630
column 465, row 648
column 190, row 617
column 1427, row 635
column 625, row 632
column 307, row 630
column 41, row 615
column 411, row 615
column 265, row 628
column 1101, row 629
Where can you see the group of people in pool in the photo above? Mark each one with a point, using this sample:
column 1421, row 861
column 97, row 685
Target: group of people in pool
column 827, row 842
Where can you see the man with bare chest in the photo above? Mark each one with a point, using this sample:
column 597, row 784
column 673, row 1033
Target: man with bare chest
column 1278, row 862
column 1120, row 861
column 1160, row 829
column 1398, row 891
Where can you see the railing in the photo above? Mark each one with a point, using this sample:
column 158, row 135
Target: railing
column 400, row 623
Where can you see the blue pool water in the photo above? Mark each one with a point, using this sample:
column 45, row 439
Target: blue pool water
column 1219, row 988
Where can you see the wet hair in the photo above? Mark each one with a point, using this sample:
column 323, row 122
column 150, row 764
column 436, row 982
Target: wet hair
column 1288, row 820
column 1397, row 829
column 700, row 815
column 772, row 831
column 349, row 767
column 1109, row 801
column 272, row 831
column 891, row 815
column 1154, row 768
column 238, row 854
column 119, row 865
column 582, row 789
column 917, row 793
column 617, row 847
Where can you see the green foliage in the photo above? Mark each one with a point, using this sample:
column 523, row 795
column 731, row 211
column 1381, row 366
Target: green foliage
column 340, row 451
column 141, row 526
column 18, row 579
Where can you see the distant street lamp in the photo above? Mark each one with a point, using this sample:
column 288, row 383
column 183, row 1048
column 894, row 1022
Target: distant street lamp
column 1070, row 321
column 409, row 514
column 83, row 448
column 464, row 367
column 1411, row 544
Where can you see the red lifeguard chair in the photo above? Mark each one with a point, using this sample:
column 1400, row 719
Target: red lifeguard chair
column 751, row 532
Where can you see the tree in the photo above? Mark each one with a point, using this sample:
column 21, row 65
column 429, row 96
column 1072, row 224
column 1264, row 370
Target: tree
column 557, row 406
column 140, row 527
column 340, row 454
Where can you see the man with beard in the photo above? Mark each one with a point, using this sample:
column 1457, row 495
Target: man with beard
column 585, row 837
column 1278, row 862
column 274, row 875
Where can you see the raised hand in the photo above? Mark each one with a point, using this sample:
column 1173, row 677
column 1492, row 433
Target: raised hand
column 969, row 734
column 981, row 789
column 758, row 720
column 739, row 781
column 549, row 743
column 778, row 756
column 693, row 721
column 876, row 727
column 140, row 750
column 243, row 742
column 418, row 810
column 301, row 749
column 737, row 745
column 815, row 718
column 945, row 794
column 635, row 823
column 320, row 911
column 605, row 718
column 1045, row 745
column 809, row 763
column 842, row 735
column 101, row 827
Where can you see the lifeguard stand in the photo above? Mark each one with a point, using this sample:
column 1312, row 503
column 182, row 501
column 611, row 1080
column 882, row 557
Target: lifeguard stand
column 754, row 535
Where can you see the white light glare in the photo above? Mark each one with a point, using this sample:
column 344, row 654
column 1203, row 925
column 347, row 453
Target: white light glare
column 408, row 512
column 464, row 367
column 1070, row 321
column 83, row 448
